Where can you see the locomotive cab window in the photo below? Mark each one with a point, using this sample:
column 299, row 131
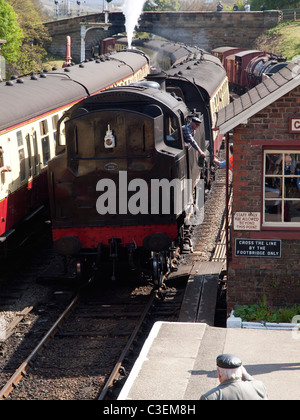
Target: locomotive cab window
column 282, row 188
column 172, row 132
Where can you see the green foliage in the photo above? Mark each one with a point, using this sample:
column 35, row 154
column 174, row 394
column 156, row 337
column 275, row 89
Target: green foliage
column 240, row 3
column 32, row 52
column 265, row 311
column 283, row 40
column 162, row 5
column 273, row 4
column 10, row 31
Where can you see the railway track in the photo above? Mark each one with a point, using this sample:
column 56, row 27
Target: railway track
column 92, row 340
column 82, row 354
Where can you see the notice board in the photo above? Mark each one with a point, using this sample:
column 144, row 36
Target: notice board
column 270, row 248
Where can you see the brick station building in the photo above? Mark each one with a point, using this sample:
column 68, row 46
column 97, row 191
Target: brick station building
column 264, row 236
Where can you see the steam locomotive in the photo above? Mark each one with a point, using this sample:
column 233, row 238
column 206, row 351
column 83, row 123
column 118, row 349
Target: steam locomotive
column 29, row 110
column 124, row 186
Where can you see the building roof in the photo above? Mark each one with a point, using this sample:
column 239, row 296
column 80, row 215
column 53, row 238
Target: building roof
column 258, row 98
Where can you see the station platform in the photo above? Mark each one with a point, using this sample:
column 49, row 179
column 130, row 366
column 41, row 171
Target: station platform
column 177, row 361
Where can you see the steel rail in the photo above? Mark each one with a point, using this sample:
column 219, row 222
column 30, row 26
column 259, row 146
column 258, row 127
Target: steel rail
column 25, row 366
column 116, row 370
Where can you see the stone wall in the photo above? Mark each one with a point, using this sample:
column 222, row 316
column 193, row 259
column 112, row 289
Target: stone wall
column 208, row 30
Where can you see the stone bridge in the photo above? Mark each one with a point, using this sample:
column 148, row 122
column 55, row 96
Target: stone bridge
column 205, row 29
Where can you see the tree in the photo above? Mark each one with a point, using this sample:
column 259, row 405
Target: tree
column 161, row 5
column 273, row 4
column 10, row 31
column 35, row 35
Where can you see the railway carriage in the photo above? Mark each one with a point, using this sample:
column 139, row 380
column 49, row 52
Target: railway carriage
column 29, row 110
column 247, row 68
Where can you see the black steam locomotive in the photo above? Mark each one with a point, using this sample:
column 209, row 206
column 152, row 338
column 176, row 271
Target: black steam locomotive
column 125, row 186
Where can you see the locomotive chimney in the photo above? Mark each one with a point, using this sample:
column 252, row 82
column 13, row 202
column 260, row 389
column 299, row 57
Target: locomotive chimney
column 68, row 57
column 159, row 78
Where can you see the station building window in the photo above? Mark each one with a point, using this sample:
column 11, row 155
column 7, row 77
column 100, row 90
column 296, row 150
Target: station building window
column 281, row 199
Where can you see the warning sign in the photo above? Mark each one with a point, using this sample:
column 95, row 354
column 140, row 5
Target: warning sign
column 258, row 248
column 246, row 221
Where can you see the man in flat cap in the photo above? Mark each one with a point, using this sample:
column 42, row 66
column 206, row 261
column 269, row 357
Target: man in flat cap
column 188, row 134
column 235, row 382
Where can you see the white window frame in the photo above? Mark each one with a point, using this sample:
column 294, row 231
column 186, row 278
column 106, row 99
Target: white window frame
column 281, row 198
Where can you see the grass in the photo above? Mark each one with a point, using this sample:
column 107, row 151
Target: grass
column 52, row 61
column 283, row 40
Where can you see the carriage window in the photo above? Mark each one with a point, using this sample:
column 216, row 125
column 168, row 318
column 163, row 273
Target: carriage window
column 62, row 131
column 45, row 141
column 22, row 164
column 44, row 127
column 45, row 149
column 54, row 126
column 35, row 152
column 54, row 122
column 19, row 138
column 29, row 153
column 282, row 188
column 21, row 155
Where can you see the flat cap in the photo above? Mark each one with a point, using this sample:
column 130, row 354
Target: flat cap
column 197, row 120
column 228, row 361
